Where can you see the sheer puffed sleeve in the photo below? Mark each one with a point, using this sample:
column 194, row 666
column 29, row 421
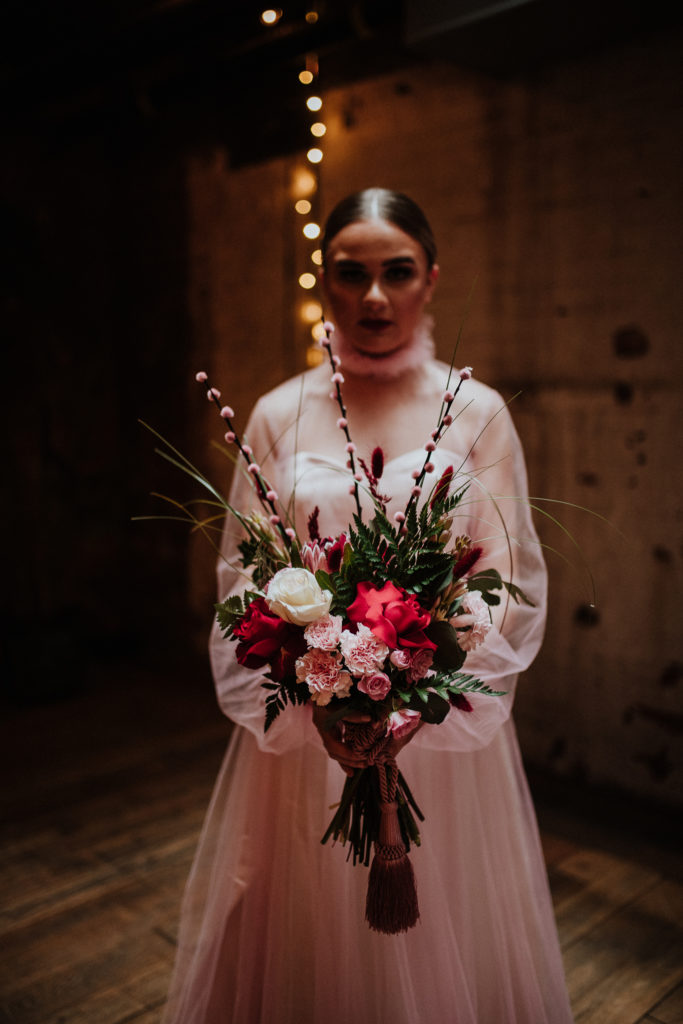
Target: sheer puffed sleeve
column 238, row 689
column 496, row 515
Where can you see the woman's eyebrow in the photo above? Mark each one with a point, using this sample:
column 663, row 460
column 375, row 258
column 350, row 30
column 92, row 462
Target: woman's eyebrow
column 345, row 262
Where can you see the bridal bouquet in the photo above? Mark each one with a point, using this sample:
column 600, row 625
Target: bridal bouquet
column 374, row 625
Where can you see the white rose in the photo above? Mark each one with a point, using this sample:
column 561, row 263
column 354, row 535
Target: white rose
column 296, row 596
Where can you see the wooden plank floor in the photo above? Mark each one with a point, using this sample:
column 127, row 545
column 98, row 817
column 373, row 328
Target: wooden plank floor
column 103, row 798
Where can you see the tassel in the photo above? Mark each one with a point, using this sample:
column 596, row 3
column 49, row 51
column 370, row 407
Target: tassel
column 391, row 905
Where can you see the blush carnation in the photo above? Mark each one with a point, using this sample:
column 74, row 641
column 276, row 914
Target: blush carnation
column 323, row 674
column 324, row 634
column 364, row 653
column 376, row 685
column 475, row 619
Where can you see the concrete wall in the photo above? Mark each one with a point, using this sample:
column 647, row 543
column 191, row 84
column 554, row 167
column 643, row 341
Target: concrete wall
column 137, row 254
column 556, row 200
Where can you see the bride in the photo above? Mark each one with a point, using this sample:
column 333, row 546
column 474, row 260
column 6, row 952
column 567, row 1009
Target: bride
column 272, row 928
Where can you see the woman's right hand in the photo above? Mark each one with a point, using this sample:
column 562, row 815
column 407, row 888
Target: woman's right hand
column 332, row 736
column 334, row 739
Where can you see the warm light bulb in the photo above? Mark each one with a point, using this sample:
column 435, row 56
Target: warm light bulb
column 304, row 182
column 271, row 16
column 305, row 77
column 314, row 356
column 317, row 257
column 311, row 311
column 307, row 280
column 314, row 103
column 312, row 230
column 302, row 206
column 318, row 331
column 311, row 17
column 318, row 129
column 315, row 155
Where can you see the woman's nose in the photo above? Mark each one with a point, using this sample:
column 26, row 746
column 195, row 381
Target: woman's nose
column 374, row 295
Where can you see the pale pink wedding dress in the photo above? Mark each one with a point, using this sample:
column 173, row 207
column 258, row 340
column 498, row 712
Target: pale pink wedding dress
column 272, row 926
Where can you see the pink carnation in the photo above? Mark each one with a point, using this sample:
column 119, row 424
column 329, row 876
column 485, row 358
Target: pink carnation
column 402, row 723
column 324, row 634
column 376, row 685
column 475, row 615
column 364, row 653
column 322, row 672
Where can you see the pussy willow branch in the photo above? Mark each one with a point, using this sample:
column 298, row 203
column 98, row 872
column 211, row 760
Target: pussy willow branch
column 335, row 364
column 262, row 486
column 444, row 421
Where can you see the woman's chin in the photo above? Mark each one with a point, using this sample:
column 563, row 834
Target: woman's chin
column 377, row 351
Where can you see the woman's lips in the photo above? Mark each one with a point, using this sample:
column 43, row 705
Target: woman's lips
column 375, row 324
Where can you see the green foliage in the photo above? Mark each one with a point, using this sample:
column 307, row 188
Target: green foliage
column 489, row 580
column 415, row 560
column 231, row 611
column 287, row 691
column 431, row 696
column 449, row 654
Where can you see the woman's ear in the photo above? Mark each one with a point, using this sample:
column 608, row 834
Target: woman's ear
column 432, row 278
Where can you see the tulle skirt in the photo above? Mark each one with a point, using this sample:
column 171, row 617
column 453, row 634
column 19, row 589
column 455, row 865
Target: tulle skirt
column 272, row 925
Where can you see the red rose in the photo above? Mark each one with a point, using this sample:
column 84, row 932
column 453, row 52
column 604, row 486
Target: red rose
column 261, row 635
column 394, row 616
column 283, row 663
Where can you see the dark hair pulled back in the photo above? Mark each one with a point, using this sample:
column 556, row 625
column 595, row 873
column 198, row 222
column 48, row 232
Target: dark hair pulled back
column 394, row 207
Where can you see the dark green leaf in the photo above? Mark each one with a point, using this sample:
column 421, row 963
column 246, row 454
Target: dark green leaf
column 448, row 654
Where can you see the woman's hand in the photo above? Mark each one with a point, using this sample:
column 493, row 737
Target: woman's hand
column 333, row 737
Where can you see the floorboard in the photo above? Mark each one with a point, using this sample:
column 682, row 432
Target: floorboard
column 102, row 807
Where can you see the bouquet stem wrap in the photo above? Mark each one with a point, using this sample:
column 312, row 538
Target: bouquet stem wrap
column 391, row 903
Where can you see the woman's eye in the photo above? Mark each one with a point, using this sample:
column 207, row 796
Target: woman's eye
column 399, row 273
column 352, row 275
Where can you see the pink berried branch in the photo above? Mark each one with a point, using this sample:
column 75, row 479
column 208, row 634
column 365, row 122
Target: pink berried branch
column 265, row 493
column 342, row 423
column 444, row 422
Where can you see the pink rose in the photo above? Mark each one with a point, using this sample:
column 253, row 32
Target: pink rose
column 402, row 723
column 322, row 672
column 393, row 615
column 415, row 662
column 363, row 652
column 324, row 634
column 376, row 685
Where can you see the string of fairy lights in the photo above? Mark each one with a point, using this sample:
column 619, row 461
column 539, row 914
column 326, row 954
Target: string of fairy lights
column 305, row 192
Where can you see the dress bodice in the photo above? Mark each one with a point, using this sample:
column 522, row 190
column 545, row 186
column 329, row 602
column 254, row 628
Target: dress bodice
column 318, row 480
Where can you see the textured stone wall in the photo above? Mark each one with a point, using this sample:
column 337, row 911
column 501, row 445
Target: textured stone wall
column 137, row 254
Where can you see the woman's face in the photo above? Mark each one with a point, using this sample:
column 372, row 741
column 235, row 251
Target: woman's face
column 377, row 284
